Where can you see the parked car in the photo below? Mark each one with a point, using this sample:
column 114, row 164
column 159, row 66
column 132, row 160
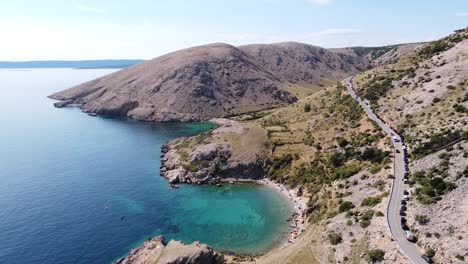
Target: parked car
column 409, row 235
column 402, row 213
column 405, row 192
column 427, row 258
column 404, row 226
column 403, row 202
column 405, row 181
column 403, row 208
column 406, row 197
column 403, row 220
column 397, row 151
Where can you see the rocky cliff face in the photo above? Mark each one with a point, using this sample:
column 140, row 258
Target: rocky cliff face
column 155, row 251
column 210, row 81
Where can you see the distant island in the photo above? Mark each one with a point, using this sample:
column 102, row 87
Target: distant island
column 84, row 64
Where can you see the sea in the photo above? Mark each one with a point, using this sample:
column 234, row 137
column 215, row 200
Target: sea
column 82, row 189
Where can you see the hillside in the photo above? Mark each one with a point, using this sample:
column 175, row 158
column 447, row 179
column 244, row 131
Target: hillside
column 424, row 95
column 326, row 148
column 214, row 80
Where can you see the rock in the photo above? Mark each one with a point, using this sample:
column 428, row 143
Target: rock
column 154, row 251
column 63, row 103
column 173, row 176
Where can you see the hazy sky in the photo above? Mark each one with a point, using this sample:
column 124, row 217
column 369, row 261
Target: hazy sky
column 103, row 29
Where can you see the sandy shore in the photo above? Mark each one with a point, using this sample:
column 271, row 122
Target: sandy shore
column 299, row 219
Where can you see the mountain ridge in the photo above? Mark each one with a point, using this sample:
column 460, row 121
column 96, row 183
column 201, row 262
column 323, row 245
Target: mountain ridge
column 214, row 80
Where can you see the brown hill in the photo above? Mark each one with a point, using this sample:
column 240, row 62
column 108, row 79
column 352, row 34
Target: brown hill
column 210, row 81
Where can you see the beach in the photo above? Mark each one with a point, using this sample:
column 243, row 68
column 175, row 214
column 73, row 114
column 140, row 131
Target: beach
column 298, row 220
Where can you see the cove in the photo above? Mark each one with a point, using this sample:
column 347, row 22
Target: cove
column 66, row 180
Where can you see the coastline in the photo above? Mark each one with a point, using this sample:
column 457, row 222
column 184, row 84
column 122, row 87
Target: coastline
column 298, row 220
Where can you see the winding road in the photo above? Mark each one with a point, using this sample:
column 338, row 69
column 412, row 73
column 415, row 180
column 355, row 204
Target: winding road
column 394, row 205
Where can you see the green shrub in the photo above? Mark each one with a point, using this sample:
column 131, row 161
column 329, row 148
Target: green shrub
column 347, row 170
column 371, row 201
column 422, row 219
column 342, row 142
column 430, row 252
column 335, row 238
column 307, row 108
column 346, row 206
column 375, row 255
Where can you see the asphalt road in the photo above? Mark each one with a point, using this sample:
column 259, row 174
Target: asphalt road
column 393, row 210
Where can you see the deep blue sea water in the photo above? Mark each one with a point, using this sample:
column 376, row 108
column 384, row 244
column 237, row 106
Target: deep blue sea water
column 66, row 179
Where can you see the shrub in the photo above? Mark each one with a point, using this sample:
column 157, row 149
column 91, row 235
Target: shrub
column 374, row 155
column 371, row 201
column 342, row 142
column 422, row 219
column 347, row 170
column 334, row 238
column 375, row 255
column 430, row 252
column 379, row 214
column 346, row 206
column 307, row 108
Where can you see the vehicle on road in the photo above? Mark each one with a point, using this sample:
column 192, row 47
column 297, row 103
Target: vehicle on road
column 405, row 192
column 409, row 235
column 427, row 258
column 406, row 197
column 397, row 151
column 405, row 181
column 403, row 202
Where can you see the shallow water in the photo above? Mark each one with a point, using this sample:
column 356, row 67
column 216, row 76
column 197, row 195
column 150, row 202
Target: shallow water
column 66, row 179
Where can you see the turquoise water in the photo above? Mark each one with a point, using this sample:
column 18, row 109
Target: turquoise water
column 66, row 179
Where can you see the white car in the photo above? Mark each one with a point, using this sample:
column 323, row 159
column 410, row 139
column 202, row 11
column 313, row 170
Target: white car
column 406, row 197
column 409, row 235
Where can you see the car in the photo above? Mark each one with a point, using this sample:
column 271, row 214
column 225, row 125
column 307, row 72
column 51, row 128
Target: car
column 403, row 202
column 403, row 220
column 427, row 258
column 409, row 235
column 402, row 213
column 405, row 181
column 403, row 208
column 405, row 192
column 397, row 151
column 404, row 226
column 406, row 197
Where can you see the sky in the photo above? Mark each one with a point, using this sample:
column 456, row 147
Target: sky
column 144, row 29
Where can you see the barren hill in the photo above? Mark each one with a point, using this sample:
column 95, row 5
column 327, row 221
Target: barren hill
column 210, row 81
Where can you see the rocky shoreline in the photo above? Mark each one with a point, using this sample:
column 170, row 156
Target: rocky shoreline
column 172, row 170
column 155, row 250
